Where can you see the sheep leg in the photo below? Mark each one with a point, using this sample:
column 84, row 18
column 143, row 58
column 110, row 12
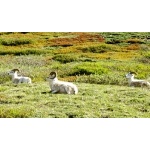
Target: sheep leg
column 55, row 91
column 19, row 81
column 68, row 90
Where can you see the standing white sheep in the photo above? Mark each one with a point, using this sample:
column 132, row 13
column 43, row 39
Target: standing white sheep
column 136, row 82
column 57, row 86
column 18, row 79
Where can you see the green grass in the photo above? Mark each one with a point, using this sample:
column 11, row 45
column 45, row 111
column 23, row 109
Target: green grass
column 102, row 101
column 97, row 65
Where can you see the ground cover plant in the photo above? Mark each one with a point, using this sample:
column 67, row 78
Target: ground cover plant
column 95, row 62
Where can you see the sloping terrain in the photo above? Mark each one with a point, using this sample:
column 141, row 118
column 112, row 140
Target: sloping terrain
column 96, row 62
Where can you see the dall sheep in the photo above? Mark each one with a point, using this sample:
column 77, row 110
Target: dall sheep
column 136, row 82
column 57, row 86
column 18, row 79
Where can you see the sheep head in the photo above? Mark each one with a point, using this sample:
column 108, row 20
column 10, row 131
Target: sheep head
column 53, row 75
column 130, row 74
column 15, row 70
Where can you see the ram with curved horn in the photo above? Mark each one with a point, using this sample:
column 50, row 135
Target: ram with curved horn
column 58, row 86
column 136, row 82
column 18, row 79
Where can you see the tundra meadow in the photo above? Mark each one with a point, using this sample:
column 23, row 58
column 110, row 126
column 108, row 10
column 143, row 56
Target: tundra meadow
column 96, row 62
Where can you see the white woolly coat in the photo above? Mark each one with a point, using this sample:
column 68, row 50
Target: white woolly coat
column 62, row 87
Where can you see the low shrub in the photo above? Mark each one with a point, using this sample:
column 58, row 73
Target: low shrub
column 65, row 58
column 18, row 52
column 135, row 41
column 102, row 79
column 5, row 33
column 145, row 47
column 15, row 41
column 147, row 55
column 133, row 47
column 76, row 38
column 102, row 48
column 145, row 58
column 114, row 41
column 87, row 68
column 30, row 61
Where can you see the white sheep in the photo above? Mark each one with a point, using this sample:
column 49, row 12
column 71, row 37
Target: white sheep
column 18, row 79
column 136, row 82
column 57, row 86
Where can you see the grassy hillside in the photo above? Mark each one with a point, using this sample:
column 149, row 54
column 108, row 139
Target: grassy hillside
column 96, row 62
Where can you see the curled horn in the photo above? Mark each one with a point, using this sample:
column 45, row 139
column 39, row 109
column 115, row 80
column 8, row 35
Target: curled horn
column 53, row 73
column 131, row 72
column 15, row 70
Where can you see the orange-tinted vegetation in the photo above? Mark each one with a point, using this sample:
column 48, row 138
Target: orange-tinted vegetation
column 77, row 39
column 96, row 62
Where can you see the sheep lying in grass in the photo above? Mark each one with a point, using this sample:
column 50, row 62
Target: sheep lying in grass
column 18, row 79
column 136, row 82
column 61, row 86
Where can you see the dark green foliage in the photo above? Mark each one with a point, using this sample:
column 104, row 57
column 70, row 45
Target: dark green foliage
column 65, row 58
column 145, row 58
column 114, row 41
column 135, row 41
column 5, row 33
column 147, row 55
column 88, row 68
column 24, row 52
column 15, row 42
column 102, row 48
column 103, row 79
